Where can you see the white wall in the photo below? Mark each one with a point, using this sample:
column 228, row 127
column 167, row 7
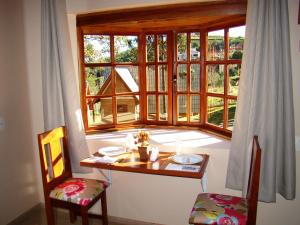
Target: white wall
column 150, row 198
column 168, row 200
column 20, row 184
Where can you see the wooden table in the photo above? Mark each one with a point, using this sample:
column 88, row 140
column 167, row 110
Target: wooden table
column 130, row 162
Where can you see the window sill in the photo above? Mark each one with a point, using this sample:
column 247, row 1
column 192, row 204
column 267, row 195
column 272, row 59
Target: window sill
column 165, row 138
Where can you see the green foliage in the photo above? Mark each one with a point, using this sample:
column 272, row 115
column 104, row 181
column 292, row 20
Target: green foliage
column 216, row 42
column 237, row 54
column 181, row 42
column 126, row 49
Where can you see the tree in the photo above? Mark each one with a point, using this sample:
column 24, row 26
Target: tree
column 237, row 54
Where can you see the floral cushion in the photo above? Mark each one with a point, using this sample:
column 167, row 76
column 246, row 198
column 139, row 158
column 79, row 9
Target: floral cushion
column 77, row 190
column 219, row 209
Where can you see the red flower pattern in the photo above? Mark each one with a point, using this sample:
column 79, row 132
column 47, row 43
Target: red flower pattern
column 224, row 199
column 84, row 201
column 73, row 187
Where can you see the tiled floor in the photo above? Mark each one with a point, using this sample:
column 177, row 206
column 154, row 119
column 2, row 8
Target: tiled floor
column 37, row 216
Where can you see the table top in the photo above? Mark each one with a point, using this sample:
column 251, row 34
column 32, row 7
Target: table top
column 130, row 162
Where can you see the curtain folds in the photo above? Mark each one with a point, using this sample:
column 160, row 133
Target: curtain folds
column 60, row 93
column 265, row 103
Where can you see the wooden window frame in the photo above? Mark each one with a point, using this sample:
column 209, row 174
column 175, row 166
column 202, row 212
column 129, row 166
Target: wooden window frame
column 132, row 23
column 114, row 95
column 188, row 93
column 225, row 62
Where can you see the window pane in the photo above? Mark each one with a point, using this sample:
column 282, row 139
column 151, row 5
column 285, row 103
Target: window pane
column 215, row 45
column 99, row 111
column 163, row 107
column 128, row 108
column 195, row 108
column 96, row 48
column 215, row 111
column 182, row 47
column 98, row 80
column 236, row 42
column 195, row 46
column 151, row 107
column 234, row 71
column 162, row 48
column 231, row 113
column 150, row 48
column 162, row 78
column 195, row 77
column 126, row 49
column 215, row 78
column 127, row 79
column 182, row 108
column 181, row 77
column 150, row 75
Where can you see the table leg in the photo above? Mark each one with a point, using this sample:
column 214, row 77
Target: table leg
column 107, row 176
column 204, row 182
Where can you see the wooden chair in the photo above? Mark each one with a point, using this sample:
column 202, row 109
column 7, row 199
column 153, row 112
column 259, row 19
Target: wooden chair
column 60, row 188
column 224, row 209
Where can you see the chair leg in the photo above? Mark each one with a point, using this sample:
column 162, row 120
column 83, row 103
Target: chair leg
column 104, row 208
column 72, row 216
column 84, row 216
column 49, row 212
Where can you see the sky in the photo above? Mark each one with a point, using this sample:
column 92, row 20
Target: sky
column 233, row 32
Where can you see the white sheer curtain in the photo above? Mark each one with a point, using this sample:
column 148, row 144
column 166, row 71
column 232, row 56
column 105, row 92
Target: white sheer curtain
column 265, row 103
column 60, row 93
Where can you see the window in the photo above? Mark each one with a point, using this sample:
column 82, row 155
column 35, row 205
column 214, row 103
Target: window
column 223, row 66
column 134, row 74
column 187, row 92
column 157, row 77
column 111, row 80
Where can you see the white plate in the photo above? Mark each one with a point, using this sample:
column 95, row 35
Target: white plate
column 112, row 150
column 187, row 159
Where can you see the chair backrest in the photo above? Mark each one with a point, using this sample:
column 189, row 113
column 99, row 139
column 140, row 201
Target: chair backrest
column 253, row 182
column 54, row 158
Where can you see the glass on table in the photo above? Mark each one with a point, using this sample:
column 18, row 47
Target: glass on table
column 129, row 142
column 178, row 145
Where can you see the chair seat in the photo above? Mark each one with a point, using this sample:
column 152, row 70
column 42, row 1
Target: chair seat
column 219, row 209
column 78, row 190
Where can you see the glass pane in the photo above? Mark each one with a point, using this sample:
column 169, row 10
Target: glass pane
column 150, row 76
column 182, row 108
column 195, row 77
column 162, row 48
column 215, row 111
column 215, row 79
column 234, row 71
column 236, row 42
column 181, row 77
column 195, row 46
column 195, row 108
column 127, row 79
column 96, row 48
column 162, row 78
column 150, row 48
column 151, row 107
column 98, row 80
column 231, row 113
column 215, row 45
column 126, row 49
column 163, row 107
column 181, row 47
column 128, row 108
column 99, row 111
